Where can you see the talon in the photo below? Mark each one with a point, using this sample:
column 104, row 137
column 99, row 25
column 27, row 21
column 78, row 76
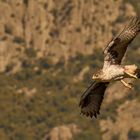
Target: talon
column 134, row 76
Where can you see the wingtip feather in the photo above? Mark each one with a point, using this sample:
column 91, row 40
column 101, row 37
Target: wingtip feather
column 134, row 24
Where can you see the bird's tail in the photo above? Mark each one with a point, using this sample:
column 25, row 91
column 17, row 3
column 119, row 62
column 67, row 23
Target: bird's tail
column 133, row 69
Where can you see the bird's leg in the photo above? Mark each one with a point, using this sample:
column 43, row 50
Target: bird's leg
column 126, row 84
column 131, row 75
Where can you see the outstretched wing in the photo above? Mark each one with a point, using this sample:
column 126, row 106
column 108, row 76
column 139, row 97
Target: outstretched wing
column 116, row 49
column 92, row 98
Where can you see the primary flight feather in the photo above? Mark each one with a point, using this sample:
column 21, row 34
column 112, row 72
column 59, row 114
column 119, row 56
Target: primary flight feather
column 112, row 70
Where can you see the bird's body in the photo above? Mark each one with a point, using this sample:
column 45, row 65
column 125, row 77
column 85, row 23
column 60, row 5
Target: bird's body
column 112, row 69
column 112, row 73
column 115, row 73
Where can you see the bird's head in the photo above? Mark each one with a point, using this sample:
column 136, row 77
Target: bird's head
column 98, row 75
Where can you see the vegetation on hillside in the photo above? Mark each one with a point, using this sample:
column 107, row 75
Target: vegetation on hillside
column 43, row 95
column 55, row 101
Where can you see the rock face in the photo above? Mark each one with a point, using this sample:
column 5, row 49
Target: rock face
column 63, row 132
column 128, row 118
column 55, row 28
column 60, row 29
column 27, row 92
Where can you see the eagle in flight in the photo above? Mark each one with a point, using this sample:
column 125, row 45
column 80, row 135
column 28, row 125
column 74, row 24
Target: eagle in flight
column 112, row 70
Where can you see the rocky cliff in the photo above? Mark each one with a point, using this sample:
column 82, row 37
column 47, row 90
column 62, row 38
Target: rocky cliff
column 40, row 85
column 56, row 28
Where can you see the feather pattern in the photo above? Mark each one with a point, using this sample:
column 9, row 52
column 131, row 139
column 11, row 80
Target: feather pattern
column 116, row 49
column 92, row 98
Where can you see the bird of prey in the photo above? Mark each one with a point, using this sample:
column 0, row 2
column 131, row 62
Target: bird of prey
column 112, row 70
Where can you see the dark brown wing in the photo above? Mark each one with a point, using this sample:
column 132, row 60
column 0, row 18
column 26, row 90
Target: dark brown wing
column 116, row 49
column 92, row 98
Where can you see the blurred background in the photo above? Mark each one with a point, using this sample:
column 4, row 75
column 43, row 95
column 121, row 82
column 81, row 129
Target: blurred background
column 49, row 50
